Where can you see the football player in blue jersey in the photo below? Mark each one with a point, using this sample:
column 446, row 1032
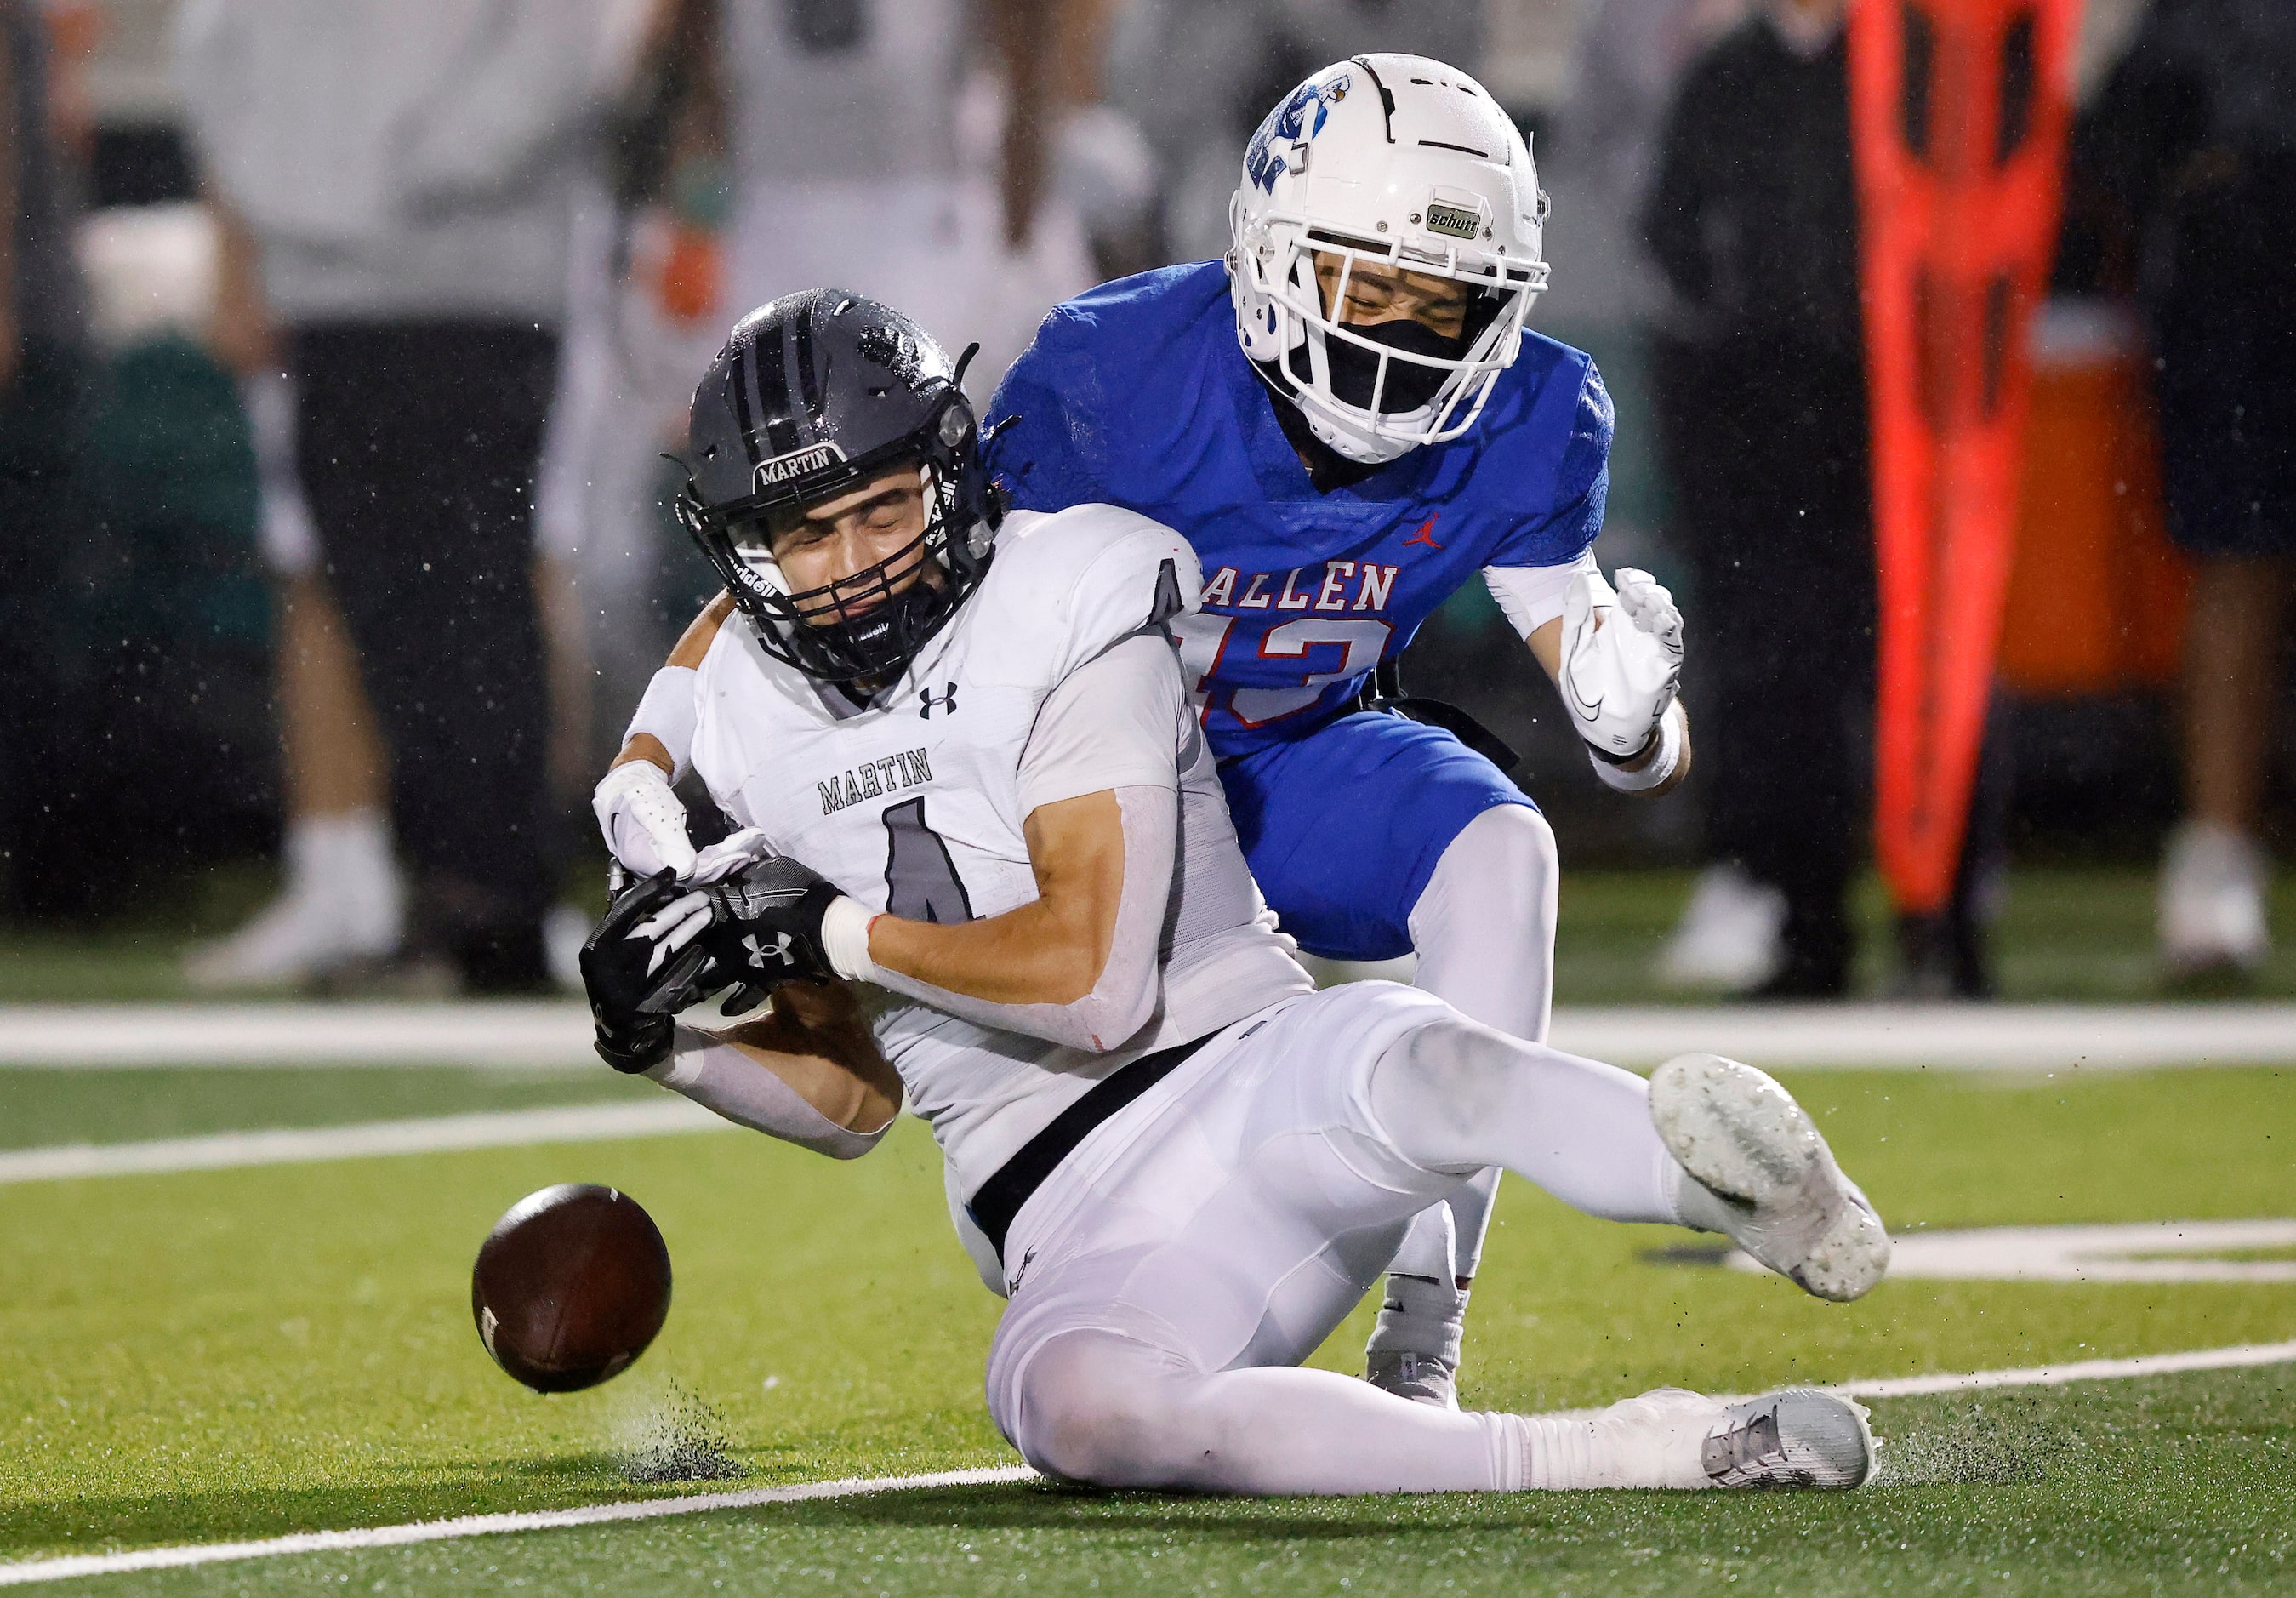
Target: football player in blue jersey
column 1349, row 419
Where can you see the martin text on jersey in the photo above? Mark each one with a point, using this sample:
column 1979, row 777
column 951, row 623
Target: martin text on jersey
column 873, row 778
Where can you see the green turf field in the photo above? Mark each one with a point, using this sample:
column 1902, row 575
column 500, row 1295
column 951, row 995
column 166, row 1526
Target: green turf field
column 2065, row 932
column 245, row 1353
column 40, row 1108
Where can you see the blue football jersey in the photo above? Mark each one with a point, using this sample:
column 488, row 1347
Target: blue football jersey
column 1136, row 394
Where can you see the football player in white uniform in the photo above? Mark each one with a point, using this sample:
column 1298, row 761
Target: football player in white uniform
column 965, row 774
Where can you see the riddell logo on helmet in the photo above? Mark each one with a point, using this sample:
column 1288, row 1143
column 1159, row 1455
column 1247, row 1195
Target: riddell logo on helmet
column 797, row 463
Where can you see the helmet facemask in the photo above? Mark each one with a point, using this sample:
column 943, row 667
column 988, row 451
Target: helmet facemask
column 1374, row 392
column 865, row 628
column 1384, row 163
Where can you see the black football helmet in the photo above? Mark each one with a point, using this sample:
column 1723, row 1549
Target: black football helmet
column 814, row 394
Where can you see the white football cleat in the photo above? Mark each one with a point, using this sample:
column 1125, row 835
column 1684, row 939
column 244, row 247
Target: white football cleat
column 1796, row 1437
column 2212, row 888
column 1783, row 1200
column 1675, row 1439
column 1731, row 937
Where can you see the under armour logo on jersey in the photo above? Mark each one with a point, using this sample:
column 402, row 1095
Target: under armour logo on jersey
column 946, row 702
column 782, row 953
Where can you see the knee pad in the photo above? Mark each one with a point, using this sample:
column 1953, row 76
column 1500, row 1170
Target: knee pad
column 1502, row 864
column 1092, row 1409
column 1518, row 845
column 1441, row 1083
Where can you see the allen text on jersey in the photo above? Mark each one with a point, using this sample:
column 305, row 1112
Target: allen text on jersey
column 1345, row 585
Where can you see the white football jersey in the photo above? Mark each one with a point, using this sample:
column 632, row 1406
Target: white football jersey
column 911, row 806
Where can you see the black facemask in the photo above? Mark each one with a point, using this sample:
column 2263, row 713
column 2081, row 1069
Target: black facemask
column 1410, row 386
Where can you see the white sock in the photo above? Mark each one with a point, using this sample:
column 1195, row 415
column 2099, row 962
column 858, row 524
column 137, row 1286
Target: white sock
column 1425, row 1315
column 306, row 858
column 352, row 855
column 1653, row 1441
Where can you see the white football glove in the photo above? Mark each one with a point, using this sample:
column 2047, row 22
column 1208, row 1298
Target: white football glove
column 643, row 819
column 731, row 854
column 1618, row 678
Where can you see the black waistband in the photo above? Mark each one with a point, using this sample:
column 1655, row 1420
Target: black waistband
column 996, row 1201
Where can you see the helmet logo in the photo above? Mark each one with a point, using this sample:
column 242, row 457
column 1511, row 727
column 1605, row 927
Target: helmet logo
column 1288, row 125
column 1452, row 221
column 797, row 462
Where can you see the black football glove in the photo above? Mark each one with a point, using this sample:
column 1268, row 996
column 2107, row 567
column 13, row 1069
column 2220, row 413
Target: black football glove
column 646, row 961
column 765, row 928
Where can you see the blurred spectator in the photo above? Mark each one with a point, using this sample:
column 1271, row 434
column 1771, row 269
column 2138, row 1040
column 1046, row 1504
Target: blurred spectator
column 1630, row 57
column 340, row 898
column 766, row 146
column 405, row 169
column 43, row 394
column 848, row 139
column 1196, row 76
column 1753, row 221
column 2196, row 135
column 645, row 310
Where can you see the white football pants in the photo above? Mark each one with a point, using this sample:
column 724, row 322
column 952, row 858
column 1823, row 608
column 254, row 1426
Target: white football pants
column 1219, row 1229
column 1484, row 930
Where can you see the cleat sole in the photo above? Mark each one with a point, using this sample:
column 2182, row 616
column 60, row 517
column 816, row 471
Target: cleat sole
column 1743, row 1136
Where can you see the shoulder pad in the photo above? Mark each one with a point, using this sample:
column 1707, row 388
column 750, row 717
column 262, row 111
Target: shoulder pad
column 1112, row 390
column 1064, row 587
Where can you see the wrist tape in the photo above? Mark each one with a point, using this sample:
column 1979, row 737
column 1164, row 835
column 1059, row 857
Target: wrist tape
column 845, row 940
column 1662, row 762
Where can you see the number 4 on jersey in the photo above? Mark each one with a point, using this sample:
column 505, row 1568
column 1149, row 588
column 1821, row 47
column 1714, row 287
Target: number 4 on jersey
column 921, row 879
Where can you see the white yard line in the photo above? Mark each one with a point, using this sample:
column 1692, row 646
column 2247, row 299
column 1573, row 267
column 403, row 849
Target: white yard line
column 434, row 1135
column 479, row 1526
column 1966, row 1037
column 2085, row 1370
column 1969, row 1037
column 546, row 1032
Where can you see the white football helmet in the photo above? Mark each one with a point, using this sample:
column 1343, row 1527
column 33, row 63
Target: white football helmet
column 1395, row 161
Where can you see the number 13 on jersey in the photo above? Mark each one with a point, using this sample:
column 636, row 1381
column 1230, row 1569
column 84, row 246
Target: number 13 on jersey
column 1293, row 663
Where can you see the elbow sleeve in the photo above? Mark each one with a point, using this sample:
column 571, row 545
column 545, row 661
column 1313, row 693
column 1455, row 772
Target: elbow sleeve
column 722, row 1079
column 670, row 714
column 1530, row 597
column 1123, row 995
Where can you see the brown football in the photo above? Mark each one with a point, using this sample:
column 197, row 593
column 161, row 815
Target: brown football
column 570, row 1286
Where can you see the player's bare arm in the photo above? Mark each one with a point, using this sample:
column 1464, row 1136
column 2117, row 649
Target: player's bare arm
column 814, row 1038
column 1052, row 951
